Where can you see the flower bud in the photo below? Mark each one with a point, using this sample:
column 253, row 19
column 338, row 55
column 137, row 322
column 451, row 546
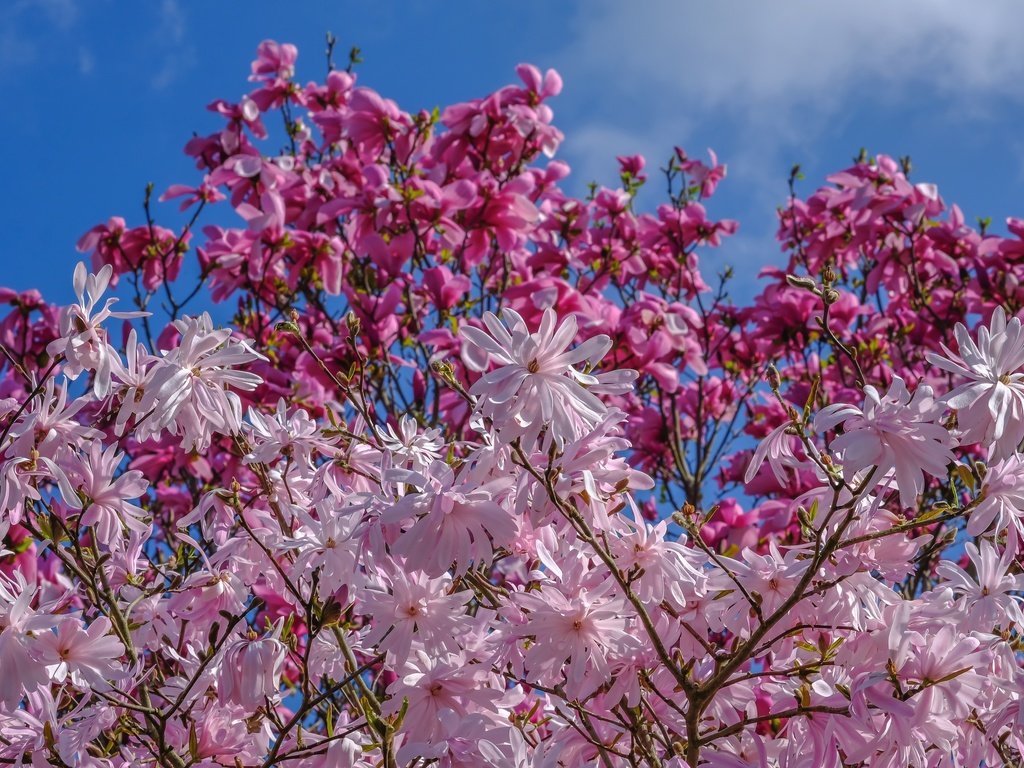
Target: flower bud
column 801, row 282
column 250, row 672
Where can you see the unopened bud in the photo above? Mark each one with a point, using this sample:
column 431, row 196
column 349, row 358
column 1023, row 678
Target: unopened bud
column 828, row 275
column 801, row 282
column 772, row 377
column 353, row 323
column 443, row 369
column 831, row 296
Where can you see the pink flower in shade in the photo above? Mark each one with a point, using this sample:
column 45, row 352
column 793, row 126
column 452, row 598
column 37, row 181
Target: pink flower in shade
column 985, row 598
column 990, row 407
column 417, row 606
column 19, row 622
column 1001, row 502
column 432, row 685
column 206, row 593
column 459, row 517
column 90, row 657
column 472, row 741
column 250, row 672
column 536, row 385
column 88, row 483
column 577, row 631
column 896, row 434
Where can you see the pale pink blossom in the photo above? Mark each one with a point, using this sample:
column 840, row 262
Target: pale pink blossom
column 88, row 656
column 250, row 671
column 986, row 598
column 1001, row 502
column 88, row 483
column 536, row 385
column 990, row 407
column 417, row 607
column 83, row 342
column 413, row 448
column 432, row 685
column 188, row 391
column 896, row 433
column 20, row 672
column 460, row 515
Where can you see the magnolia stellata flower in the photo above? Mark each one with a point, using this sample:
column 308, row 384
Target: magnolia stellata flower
column 89, row 656
column 460, row 516
column 536, row 385
column 188, row 392
column 83, row 342
column 986, row 596
column 990, row 407
column 894, row 433
column 19, row 625
column 433, row 684
column 1001, row 502
column 250, row 672
column 90, row 482
column 410, row 446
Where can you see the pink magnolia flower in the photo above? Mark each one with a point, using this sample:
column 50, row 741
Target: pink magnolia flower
column 83, row 342
column 1001, row 502
column 87, row 483
column 986, row 597
column 284, row 435
column 457, row 520
column 250, row 672
column 414, row 449
column 90, row 657
column 895, row 433
column 777, row 448
column 536, row 385
column 416, row 607
column 434, row 684
column 188, row 392
column 990, row 407
column 470, row 741
column 19, row 624
column 49, row 424
column 577, row 630
column 132, row 377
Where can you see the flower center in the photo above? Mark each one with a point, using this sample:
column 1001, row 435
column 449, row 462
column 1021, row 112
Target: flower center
column 533, row 366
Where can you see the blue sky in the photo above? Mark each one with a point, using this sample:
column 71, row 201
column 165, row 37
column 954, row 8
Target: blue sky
column 101, row 95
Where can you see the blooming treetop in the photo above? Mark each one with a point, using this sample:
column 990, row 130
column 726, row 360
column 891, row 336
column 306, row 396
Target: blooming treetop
column 480, row 473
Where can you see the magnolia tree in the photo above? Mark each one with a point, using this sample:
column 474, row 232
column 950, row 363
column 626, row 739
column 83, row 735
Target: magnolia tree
column 483, row 474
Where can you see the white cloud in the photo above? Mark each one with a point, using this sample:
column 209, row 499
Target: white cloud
column 765, row 82
column 748, row 55
column 177, row 56
column 18, row 47
column 86, row 61
column 172, row 21
column 60, row 13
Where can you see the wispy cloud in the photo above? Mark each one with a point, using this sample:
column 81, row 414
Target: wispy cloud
column 86, row 61
column 28, row 26
column 771, row 58
column 766, row 82
column 177, row 56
